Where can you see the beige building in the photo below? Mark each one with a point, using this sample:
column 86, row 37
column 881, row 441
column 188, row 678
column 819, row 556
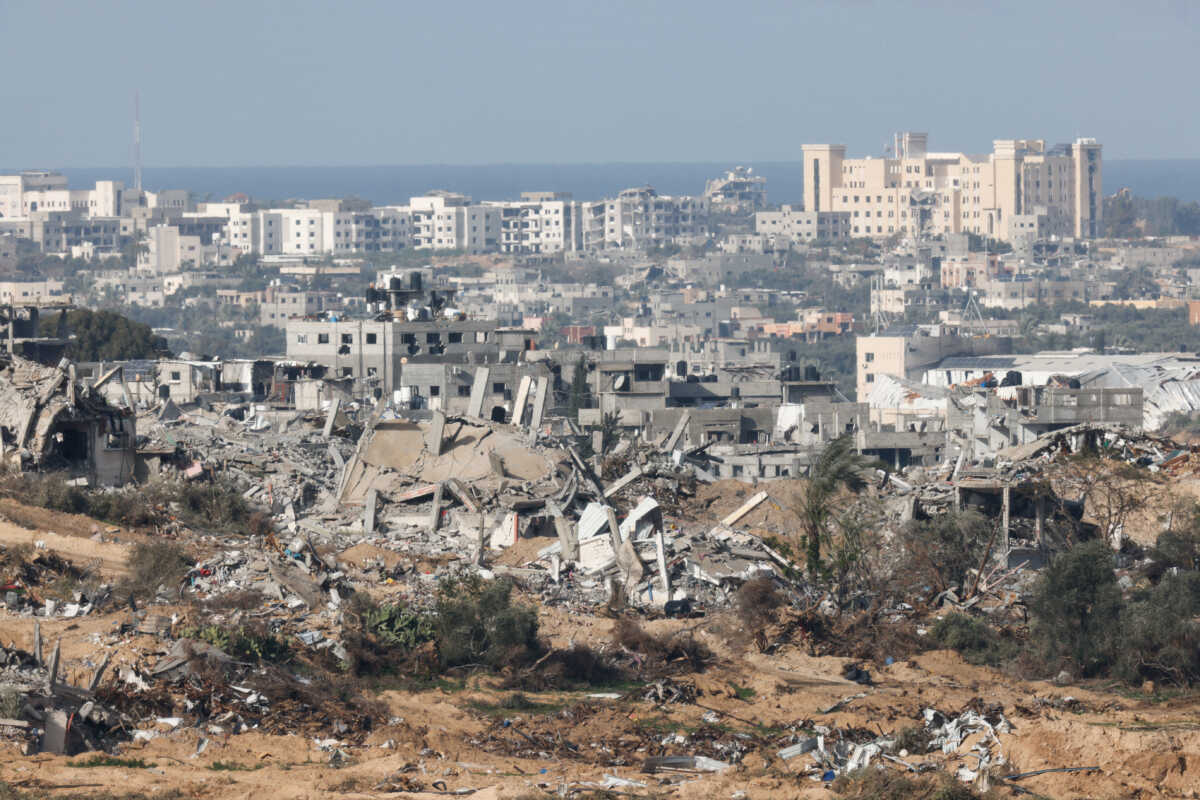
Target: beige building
column 1021, row 185
column 797, row 225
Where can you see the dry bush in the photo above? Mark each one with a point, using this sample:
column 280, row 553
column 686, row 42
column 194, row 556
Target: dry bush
column 887, row 784
column 153, row 564
column 756, row 604
column 663, row 654
column 573, row 667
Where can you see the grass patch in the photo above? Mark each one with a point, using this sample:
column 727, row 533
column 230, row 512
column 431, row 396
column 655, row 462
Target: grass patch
column 233, row 766
column 104, row 760
column 515, row 702
column 742, row 692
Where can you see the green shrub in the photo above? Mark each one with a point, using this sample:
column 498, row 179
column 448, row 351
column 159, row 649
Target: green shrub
column 973, row 639
column 244, row 643
column 1161, row 640
column 475, row 622
column 1076, row 611
column 395, row 625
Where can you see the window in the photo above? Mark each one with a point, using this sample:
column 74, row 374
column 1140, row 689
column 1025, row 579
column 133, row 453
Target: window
column 322, row 338
column 301, row 338
column 347, row 372
column 371, row 371
column 464, row 390
column 370, row 338
column 870, row 377
column 497, row 388
column 347, row 338
column 176, row 376
column 869, row 357
column 435, row 391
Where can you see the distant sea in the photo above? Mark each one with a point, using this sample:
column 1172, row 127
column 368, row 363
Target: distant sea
column 395, row 184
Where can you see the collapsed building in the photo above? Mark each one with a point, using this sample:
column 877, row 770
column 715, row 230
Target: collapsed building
column 49, row 420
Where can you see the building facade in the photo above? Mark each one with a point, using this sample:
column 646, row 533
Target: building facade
column 1021, row 184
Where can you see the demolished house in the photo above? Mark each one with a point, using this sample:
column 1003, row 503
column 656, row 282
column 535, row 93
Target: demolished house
column 49, row 420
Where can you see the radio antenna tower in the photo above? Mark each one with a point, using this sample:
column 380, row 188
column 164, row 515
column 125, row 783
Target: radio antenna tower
column 137, row 141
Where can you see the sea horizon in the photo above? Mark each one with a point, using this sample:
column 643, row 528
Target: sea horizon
column 393, row 184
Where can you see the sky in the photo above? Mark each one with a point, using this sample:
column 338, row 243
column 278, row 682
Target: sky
column 367, row 82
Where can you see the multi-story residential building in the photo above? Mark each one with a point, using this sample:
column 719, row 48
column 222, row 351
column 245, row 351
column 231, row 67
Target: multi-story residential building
column 282, row 303
column 739, row 189
column 640, row 217
column 796, row 225
column 540, row 222
column 60, row 231
column 1021, row 182
column 39, row 190
column 448, row 221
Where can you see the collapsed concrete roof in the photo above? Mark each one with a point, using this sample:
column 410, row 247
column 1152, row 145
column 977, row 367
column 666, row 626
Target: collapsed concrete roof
column 35, row 401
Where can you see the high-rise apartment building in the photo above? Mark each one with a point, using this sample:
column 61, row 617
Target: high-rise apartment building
column 1021, row 185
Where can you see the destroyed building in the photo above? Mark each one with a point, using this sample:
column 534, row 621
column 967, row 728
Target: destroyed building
column 49, row 420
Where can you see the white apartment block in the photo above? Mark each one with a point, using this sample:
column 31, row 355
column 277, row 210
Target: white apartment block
column 640, row 217
column 796, row 225
column 917, row 192
column 40, row 191
column 448, row 221
column 540, row 222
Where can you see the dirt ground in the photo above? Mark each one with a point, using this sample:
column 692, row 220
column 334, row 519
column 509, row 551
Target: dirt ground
column 455, row 737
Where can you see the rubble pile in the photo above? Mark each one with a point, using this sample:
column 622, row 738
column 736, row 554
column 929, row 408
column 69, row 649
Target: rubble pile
column 364, row 503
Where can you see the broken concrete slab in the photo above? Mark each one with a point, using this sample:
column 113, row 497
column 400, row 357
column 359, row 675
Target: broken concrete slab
column 435, row 514
column 505, row 534
column 478, row 392
column 54, row 740
column 745, row 509
column 623, row 481
column 539, row 404
column 369, row 510
column 334, row 407
column 433, row 436
column 680, row 427
column 518, row 412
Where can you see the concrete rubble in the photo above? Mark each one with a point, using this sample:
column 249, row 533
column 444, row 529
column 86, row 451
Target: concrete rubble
column 364, row 496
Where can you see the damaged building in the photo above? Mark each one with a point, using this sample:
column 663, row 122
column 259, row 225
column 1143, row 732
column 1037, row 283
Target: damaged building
column 48, row 420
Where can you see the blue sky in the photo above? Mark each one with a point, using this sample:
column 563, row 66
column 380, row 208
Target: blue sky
column 394, row 82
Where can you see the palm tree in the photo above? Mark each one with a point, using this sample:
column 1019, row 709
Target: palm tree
column 839, row 466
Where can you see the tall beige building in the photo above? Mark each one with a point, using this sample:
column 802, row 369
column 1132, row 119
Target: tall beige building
column 1021, row 187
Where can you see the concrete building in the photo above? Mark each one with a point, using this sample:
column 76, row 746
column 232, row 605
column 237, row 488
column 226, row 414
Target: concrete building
column 916, row 192
column 449, row 221
column 33, row 291
column 907, row 352
column 540, row 222
column 282, row 303
column 796, row 225
column 640, row 218
column 738, row 190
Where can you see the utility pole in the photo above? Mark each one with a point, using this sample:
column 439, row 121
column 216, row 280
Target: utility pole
column 137, row 141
